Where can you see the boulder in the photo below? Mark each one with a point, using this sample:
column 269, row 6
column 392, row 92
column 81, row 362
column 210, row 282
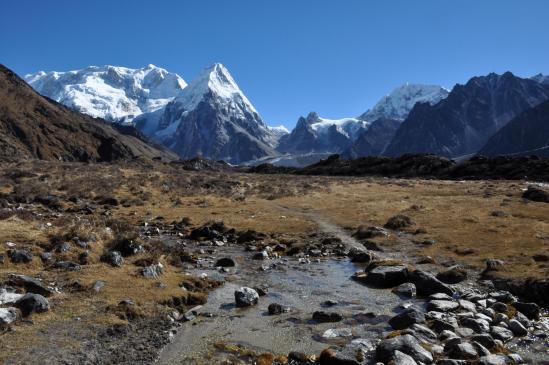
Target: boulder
column 500, row 333
column 67, row 265
column 442, row 305
column 428, row 284
column 405, row 290
column 225, row 262
column 369, row 232
column 387, row 276
column 463, row 351
column 127, row 247
column 113, row 258
column 476, row 324
column 275, row 308
column 245, row 297
column 530, row 310
column 453, row 275
column 152, row 271
column 398, row 221
column 8, row 316
column 20, row 256
column 494, row 359
column 536, row 194
column 359, row 255
column 400, row 358
column 485, row 340
column 30, row 284
column 31, row 303
column 407, row 318
column 406, row 344
column 332, row 357
column 322, row 317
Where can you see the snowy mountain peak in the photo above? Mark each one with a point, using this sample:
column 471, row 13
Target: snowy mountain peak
column 401, row 100
column 216, row 80
column 110, row 92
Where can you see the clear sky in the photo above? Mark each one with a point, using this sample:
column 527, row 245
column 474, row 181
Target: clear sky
column 290, row 57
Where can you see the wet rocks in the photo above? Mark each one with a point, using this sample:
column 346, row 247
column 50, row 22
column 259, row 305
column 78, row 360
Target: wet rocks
column 324, row 317
column 494, row 359
column 442, row 305
column 20, row 256
column 406, row 344
column 501, row 333
column 462, row 351
column 485, row 340
column 400, row 358
column 225, row 262
column 337, row 333
column 398, row 221
column 331, row 357
column 363, row 233
column 517, row 328
column 428, row 284
column 261, row 255
column 246, row 297
column 453, row 275
column 536, row 194
column 113, row 258
column 476, row 324
column 31, row 303
column 405, row 290
column 407, row 318
column 387, row 276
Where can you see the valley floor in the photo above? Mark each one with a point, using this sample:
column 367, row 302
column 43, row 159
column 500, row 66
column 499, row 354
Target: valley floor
column 76, row 212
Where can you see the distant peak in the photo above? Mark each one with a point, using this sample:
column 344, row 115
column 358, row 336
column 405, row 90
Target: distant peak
column 312, row 116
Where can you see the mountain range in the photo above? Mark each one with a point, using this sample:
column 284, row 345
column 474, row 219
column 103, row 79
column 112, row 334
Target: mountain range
column 33, row 126
column 212, row 117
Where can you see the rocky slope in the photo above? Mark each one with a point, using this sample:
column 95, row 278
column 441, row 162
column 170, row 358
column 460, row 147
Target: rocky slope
column 32, row 126
column 211, row 118
column 526, row 134
column 110, row 92
column 373, row 141
column 463, row 122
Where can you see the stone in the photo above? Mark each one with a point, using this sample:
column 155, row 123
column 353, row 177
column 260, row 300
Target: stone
column 322, row 317
column 422, row 333
column 503, row 296
column 407, row 290
column 67, row 265
column 427, row 284
column 517, row 328
column 8, row 316
column 407, row 318
column 501, row 333
column 442, row 305
column 406, row 344
column 30, row 284
column 446, row 334
column 494, row 359
column 485, row 340
column 337, row 333
column 275, row 308
column 8, row 297
column 398, row 221
column 536, row 194
column 400, row 358
column 152, row 271
column 453, row 275
column 463, row 351
column 261, row 255
column 464, row 332
column 359, row 255
column 20, row 256
column 31, row 303
column 387, row 276
column 440, row 296
column 98, row 286
column 530, row 310
column 523, row 319
column 515, row 358
column 499, row 307
column 477, row 325
column 451, row 362
column 113, row 258
column 467, row 305
column 225, row 262
column 369, row 232
column 481, row 350
column 245, row 297
column 439, row 325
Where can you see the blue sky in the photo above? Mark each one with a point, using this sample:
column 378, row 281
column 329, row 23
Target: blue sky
column 289, row 56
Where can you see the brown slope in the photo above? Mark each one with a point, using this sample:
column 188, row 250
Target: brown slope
column 33, row 126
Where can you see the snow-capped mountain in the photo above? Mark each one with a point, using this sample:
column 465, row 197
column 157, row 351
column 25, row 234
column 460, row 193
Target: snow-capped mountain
column 316, row 134
column 211, row 118
column 400, row 101
column 462, row 123
column 541, row 78
column 110, row 92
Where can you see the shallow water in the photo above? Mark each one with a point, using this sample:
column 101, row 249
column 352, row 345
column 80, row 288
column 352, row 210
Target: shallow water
column 301, row 287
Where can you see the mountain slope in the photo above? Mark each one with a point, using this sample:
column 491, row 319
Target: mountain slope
column 32, row 126
column 400, row 101
column 110, row 92
column 211, row 118
column 541, row 78
column 463, row 122
column 374, row 141
column 527, row 134
column 316, row 134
